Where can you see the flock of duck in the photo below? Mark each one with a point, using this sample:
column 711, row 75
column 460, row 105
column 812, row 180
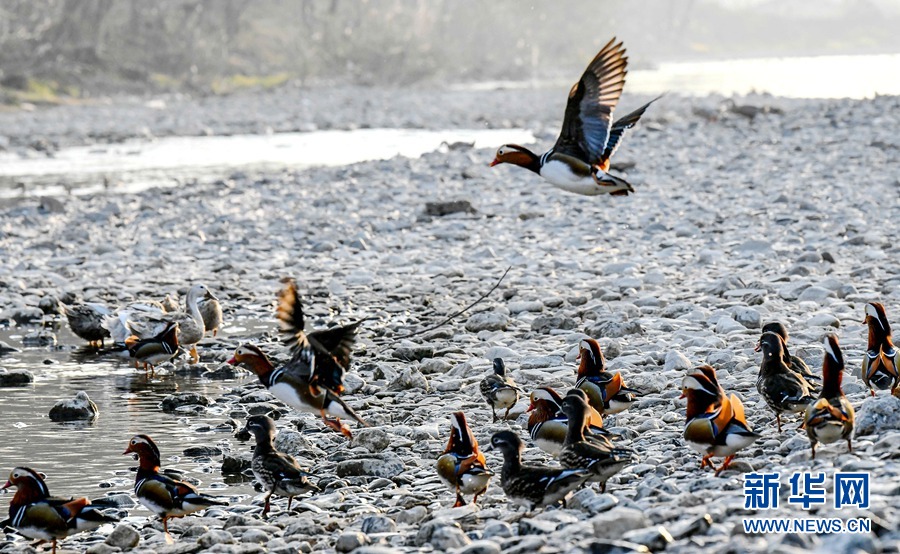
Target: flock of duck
column 569, row 427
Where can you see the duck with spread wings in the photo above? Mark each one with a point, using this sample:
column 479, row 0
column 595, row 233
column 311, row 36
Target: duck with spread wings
column 579, row 162
column 312, row 381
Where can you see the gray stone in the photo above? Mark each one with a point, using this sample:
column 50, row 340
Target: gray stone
column 378, row 524
column 15, row 377
column 613, row 546
column 351, row 540
column 440, row 209
column 481, row 547
column 618, row 521
column 531, row 526
column 696, row 526
column 547, row 323
column 497, row 529
column 255, row 536
column 487, row 321
column 305, row 525
column 655, row 538
column 124, row 536
column 501, row 352
column 99, row 548
column 80, row 408
column 675, row 360
column 39, row 339
column 386, row 465
column 27, row 316
column 614, row 329
column 442, row 535
column 525, row 306
column 815, row 294
column 727, row 325
column 353, row 383
column 372, row 439
column 590, row 502
column 413, row 353
column 434, row 365
column 174, row 401
column 748, row 317
column 202, row 451
column 120, row 500
column 410, row 378
column 412, row 515
column 5, row 348
column 754, row 246
column 878, row 414
column 235, row 463
column 214, row 537
column 823, row 320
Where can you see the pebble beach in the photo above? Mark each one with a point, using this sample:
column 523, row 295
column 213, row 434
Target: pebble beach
column 746, row 210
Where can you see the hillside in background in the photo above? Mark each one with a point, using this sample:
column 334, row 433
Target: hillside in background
column 95, row 47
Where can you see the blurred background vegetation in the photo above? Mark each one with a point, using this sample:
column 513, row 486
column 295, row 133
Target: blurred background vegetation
column 83, row 48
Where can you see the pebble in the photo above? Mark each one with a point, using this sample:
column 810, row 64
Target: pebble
column 80, row 408
column 174, row 401
column 15, row 377
column 618, row 521
column 124, row 536
column 487, row 321
column 350, row 541
column 660, row 296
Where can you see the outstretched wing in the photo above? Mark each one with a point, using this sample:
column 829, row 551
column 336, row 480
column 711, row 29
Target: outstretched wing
column 586, row 125
column 620, row 126
column 335, row 341
column 290, row 315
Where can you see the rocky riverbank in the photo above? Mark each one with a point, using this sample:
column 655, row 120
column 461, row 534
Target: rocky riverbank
column 746, row 213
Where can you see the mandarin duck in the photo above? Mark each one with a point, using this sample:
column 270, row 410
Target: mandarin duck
column 783, row 389
column 86, row 321
column 879, row 368
column 161, row 494
column 312, row 381
column 579, row 161
column 602, row 461
column 548, row 425
column 156, row 350
column 279, row 473
column 499, row 390
column 170, row 303
column 462, row 466
column 190, row 322
column 211, row 313
column 715, row 424
column 606, row 391
column 830, row 418
column 532, row 485
column 795, row 363
column 37, row 515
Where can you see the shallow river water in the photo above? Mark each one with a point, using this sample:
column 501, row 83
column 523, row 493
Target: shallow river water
column 86, row 459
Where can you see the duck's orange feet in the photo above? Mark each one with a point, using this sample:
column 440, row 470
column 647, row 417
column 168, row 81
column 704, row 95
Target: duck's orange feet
column 337, row 426
column 724, row 465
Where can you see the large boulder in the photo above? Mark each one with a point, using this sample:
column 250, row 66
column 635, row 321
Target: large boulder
column 80, row 408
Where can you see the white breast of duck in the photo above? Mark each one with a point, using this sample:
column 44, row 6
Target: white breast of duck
column 829, row 431
column 569, row 174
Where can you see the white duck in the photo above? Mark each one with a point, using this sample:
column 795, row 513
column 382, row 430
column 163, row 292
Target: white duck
column 146, row 320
